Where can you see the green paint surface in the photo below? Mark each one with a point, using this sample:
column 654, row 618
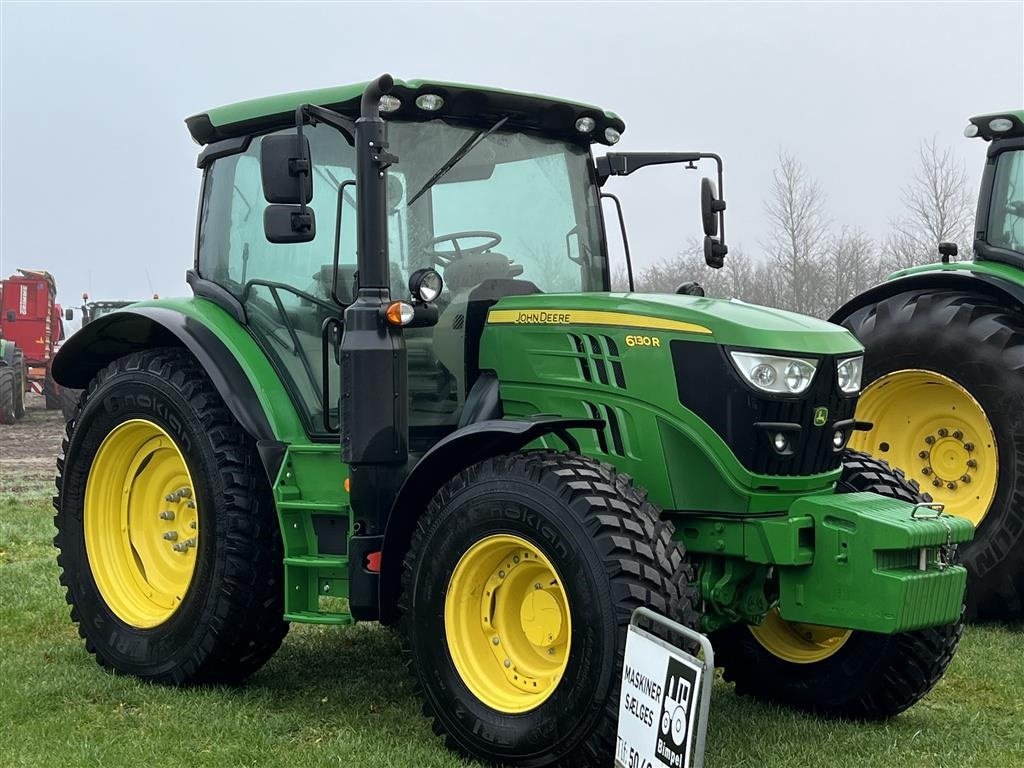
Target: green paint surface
column 992, row 268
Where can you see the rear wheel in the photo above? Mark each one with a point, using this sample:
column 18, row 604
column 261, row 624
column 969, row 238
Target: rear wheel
column 518, row 586
column 20, row 373
column 7, row 386
column 51, row 393
column 944, row 387
column 167, row 537
column 839, row 672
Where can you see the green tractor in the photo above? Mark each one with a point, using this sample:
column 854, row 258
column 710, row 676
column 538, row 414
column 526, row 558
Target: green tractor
column 944, row 375
column 525, row 458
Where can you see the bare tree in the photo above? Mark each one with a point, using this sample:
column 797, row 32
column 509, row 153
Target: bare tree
column 798, row 233
column 939, row 208
column 850, row 266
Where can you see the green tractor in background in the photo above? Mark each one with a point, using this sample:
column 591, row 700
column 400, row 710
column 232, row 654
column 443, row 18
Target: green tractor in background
column 944, row 375
column 525, row 458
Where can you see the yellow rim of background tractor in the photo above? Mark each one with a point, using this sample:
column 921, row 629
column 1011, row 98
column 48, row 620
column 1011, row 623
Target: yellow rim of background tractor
column 507, row 623
column 798, row 643
column 141, row 523
column 933, row 429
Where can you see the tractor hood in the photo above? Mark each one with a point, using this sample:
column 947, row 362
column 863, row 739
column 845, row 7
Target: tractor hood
column 728, row 322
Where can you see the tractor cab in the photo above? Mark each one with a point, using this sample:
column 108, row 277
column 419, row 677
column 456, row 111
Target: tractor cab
column 999, row 230
column 495, row 206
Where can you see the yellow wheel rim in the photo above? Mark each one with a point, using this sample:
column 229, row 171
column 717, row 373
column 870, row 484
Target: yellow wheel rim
column 798, row 643
column 507, row 623
column 141, row 523
column 934, row 430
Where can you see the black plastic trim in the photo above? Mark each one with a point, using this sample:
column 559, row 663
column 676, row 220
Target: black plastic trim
column 233, row 146
column 460, row 449
column 137, row 328
column 219, row 295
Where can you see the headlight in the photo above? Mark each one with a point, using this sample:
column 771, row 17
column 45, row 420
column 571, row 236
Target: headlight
column 425, row 284
column 849, row 372
column 770, row 373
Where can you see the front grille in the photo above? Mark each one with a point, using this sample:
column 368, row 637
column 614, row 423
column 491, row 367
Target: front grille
column 709, row 386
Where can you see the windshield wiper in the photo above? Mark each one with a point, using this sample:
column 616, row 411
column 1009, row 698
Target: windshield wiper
column 460, row 153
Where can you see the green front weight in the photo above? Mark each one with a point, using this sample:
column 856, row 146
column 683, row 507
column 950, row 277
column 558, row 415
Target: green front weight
column 855, row 561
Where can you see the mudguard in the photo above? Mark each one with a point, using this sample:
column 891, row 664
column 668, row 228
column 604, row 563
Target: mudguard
column 460, row 449
column 1002, row 290
column 238, row 369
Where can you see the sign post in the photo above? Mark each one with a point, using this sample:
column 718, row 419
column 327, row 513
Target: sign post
column 665, row 698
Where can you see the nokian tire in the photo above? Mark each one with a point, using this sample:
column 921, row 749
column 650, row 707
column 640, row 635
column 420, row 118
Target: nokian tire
column 613, row 554
column 872, row 676
column 230, row 619
column 7, row 402
column 979, row 345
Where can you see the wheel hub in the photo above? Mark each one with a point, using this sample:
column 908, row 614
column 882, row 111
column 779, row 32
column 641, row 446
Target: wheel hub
column 141, row 523
column 798, row 643
column 933, row 429
column 508, row 624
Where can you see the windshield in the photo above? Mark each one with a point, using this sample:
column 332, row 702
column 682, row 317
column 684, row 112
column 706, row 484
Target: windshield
column 490, row 205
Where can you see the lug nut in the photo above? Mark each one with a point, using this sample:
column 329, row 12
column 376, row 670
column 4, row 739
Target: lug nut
column 507, row 663
column 930, row 439
column 937, row 483
column 515, row 559
column 965, row 478
column 551, row 651
column 167, row 515
column 192, row 525
column 496, row 640
column 171, row 536
column 181, row 547
column 969, row 446
column 943, row 432
column 958, row 435
column 538, row 585
column 972, row 463
column 190, row 542
column 926, row 471
column 501, row 574
column 923, row 455
column 169, row 497
column 951, row 485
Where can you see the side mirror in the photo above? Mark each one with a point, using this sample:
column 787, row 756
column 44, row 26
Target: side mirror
column 285, row 168
column 289, row 224
column 69, row 314
column 710, row 207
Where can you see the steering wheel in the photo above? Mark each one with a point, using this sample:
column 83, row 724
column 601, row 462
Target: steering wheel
column 444, row 258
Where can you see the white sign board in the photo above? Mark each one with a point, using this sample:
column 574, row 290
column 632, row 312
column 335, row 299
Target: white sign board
column 657, row 705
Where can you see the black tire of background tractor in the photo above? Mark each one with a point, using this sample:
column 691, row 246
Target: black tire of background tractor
column 20, row 372
column 51, row 393
column 614, row 553
column 982, row 349
column 230, row 621
column 872, row 676
column 7, row 387
column 69, row 402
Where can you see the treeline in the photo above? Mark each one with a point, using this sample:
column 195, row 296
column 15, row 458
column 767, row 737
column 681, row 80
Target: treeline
column 813, row 264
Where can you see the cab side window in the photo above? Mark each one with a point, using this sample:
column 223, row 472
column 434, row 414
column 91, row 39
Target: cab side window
column 1006, row 213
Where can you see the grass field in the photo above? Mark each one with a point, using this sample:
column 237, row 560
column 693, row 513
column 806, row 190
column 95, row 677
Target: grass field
column 341, row 697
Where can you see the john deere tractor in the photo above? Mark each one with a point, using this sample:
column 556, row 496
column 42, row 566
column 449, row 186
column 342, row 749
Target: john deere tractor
column 944, row 375
column 402, row 381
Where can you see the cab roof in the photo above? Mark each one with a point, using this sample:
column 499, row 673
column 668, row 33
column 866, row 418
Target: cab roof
column 981, row 125
column 528, row 111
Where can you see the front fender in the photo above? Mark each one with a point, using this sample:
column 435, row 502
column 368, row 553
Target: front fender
column 460, row 449
column 238, row 368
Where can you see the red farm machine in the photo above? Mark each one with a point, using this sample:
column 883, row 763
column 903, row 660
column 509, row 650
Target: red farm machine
column 32, row 321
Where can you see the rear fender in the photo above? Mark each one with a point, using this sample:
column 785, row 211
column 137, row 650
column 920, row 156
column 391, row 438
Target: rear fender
column 237, row 367
column 1002, row 291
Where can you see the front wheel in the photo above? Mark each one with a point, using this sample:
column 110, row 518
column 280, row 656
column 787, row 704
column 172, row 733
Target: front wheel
column 517, row 590
column 838, row 672
column 168, row 541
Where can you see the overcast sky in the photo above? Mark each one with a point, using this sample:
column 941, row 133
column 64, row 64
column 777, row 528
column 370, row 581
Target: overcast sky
column 99, row 181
